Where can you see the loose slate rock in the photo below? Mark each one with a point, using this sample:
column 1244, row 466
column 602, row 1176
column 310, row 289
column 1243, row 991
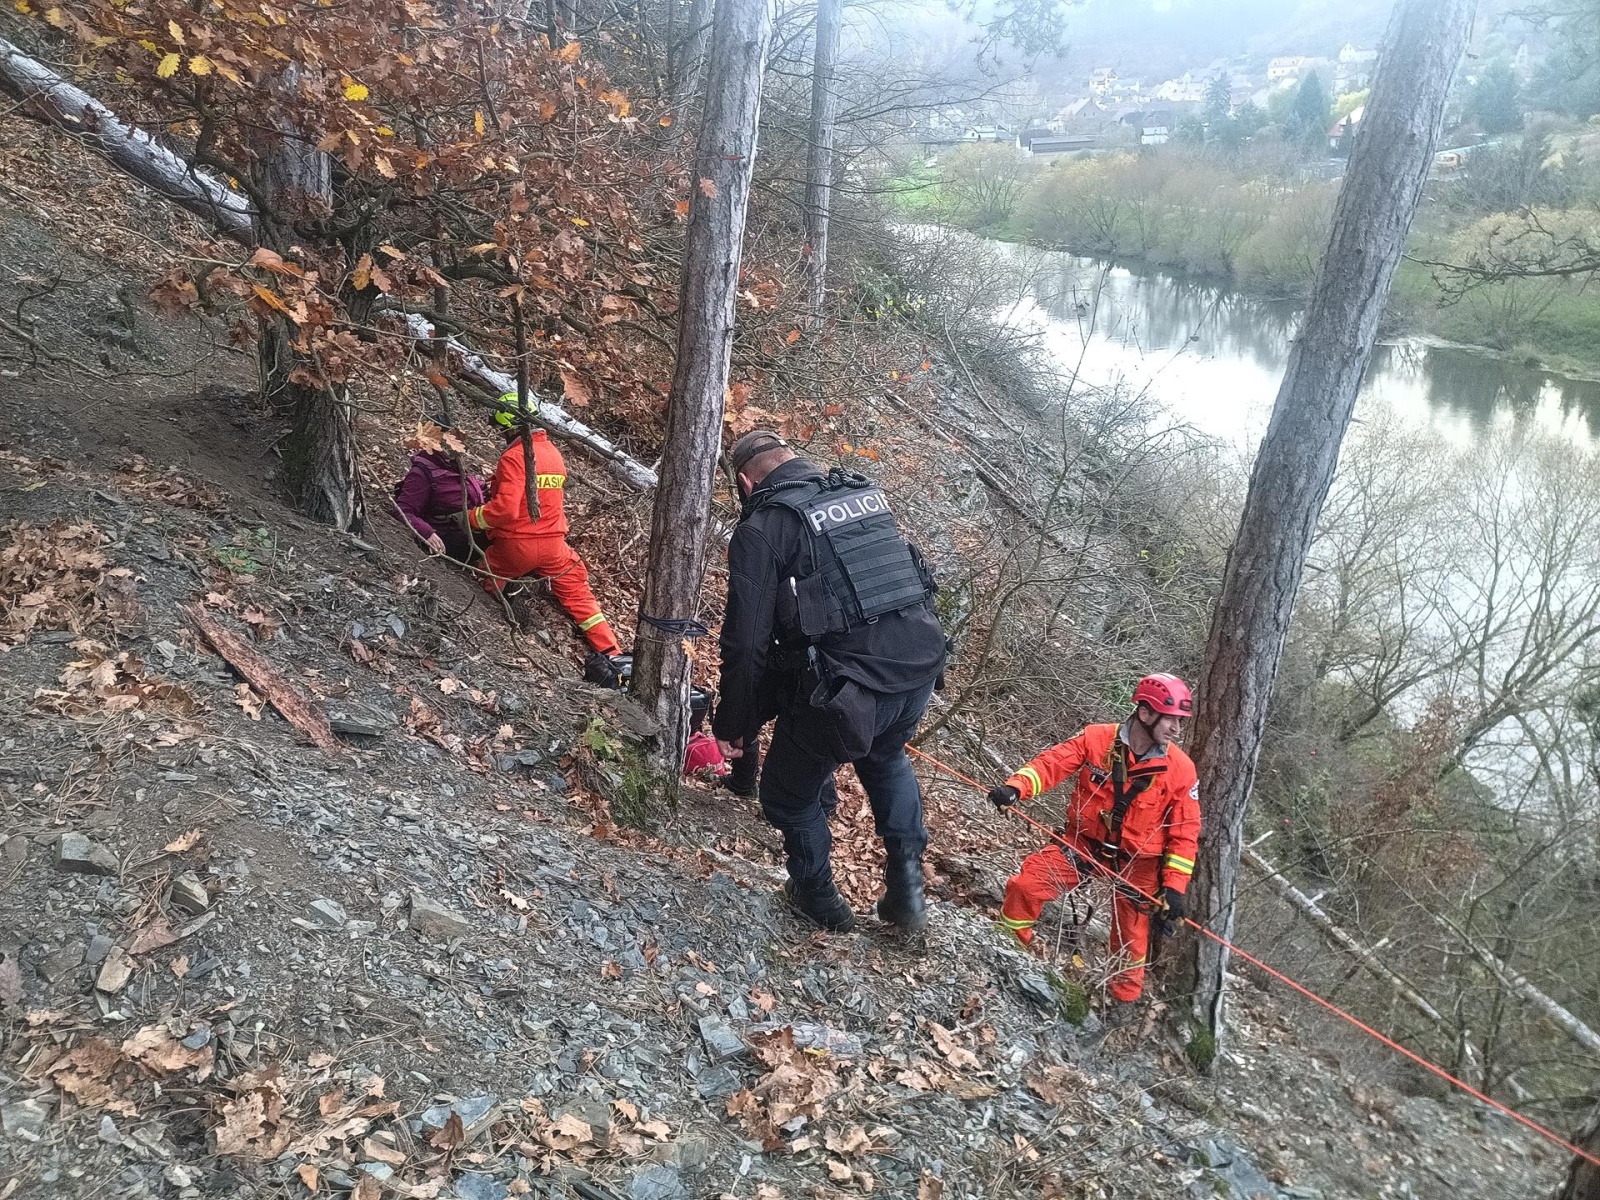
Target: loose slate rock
column 189, row 895
column 325, row 912
column 434, row 920
column 474, row 1185
column 477, row 1113
column 81, row 855
column 23, row 1118
column 657, row 1182
column 720, row 1039
column 116, row 971
column 62, row 963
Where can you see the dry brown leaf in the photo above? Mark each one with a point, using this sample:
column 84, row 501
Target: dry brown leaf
column 567, row 1132
column 367, row 1188
column 627, row 1109
column 930, row 1187
column 245, row 697
column 185, row 842
column 319, row 1059
column 451, row 1136
column 308, row 1175
column 955, row 1053
column 156, row 1048
column 577, row 392
column 382, row 1152
column 848, row 1142
column 330, row 1102
column 659, row 1130
column 838, row 1171
column 152, row 937
column 179, row 966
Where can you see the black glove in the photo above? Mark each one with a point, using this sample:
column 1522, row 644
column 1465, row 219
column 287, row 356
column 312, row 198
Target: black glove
column 1004, row 796
column 1172, row 901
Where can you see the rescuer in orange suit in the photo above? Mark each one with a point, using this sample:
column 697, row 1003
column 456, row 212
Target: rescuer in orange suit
column 1135, row 808
column 519, row 546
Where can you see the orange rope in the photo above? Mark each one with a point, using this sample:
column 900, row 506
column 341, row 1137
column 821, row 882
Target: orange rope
column 1556, row 1138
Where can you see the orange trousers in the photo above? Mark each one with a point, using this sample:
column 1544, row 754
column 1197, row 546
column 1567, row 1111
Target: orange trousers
column 551, row 558
column 1049, row 873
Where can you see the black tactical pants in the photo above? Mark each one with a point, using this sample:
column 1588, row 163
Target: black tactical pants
column 798, row 767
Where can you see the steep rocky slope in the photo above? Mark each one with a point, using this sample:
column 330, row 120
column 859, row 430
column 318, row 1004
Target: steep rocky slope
column 425, row 959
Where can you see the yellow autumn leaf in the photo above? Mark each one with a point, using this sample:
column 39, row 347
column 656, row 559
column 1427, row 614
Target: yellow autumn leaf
column 24, row 7
column 145, row 42
column 580, row 221
column 176, row 31
column 385, row 131
column 354, row 90
column 477, row 121
column 54, row 16
column 228, row 73
column 199, row 65
column 168, row 67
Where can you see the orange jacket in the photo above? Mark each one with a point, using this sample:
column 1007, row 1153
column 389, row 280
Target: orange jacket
column 1163, row 820
column 506, row 513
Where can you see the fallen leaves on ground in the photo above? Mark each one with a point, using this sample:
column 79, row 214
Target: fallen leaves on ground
column 792, row 1092
column 170, row 486
column 55, row 578
column 100, row 683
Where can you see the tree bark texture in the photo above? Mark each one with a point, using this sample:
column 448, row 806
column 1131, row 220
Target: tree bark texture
column 295, row 179
column 1583, row 1177
column 48, row 98
column 681, row 517
column 688, row 54
column 819, row 154
column 1296, row 462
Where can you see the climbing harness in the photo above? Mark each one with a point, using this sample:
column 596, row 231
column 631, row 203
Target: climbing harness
column 1349, row 1018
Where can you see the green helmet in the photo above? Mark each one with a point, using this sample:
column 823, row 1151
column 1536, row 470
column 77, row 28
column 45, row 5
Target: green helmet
column 508, row 413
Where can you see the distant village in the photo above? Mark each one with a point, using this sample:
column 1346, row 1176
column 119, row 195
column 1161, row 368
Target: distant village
column 1117, row 111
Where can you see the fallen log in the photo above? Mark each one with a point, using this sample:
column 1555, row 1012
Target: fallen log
column 260, row 674
column 1518, row 985
column 46, row 97
column 1369, row 961
column 557, row 420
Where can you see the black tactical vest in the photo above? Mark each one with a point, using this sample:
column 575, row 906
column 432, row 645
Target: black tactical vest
column 861, row 568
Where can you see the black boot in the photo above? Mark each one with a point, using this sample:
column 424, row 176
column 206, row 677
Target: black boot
column 903, row 903
column 821, row 904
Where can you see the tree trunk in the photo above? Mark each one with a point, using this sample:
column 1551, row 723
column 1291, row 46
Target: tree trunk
column 819, row 155
column 1583, row 1177
column 693, row 440
column 687, row 58
column 319, row 454
column 1295, row 465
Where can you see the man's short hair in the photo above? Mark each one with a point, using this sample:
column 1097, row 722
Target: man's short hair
column 756, row 443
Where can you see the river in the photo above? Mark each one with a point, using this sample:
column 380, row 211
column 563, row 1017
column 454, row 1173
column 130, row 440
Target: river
column 1214, row 358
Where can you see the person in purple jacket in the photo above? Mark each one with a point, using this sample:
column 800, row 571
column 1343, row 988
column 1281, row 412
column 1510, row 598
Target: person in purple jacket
column 434, row 497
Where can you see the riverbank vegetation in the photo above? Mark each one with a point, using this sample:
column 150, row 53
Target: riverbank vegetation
column 1255, row 217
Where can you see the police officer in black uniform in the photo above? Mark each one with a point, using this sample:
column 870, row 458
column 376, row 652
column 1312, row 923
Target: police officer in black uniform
column 830, row 623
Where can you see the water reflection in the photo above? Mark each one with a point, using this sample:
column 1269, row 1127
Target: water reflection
column 1215, row 358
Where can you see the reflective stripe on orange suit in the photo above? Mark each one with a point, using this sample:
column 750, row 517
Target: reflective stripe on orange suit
column 1160, row 837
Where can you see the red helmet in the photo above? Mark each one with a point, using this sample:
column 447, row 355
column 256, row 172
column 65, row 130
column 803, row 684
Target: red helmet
column 1166, row 694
